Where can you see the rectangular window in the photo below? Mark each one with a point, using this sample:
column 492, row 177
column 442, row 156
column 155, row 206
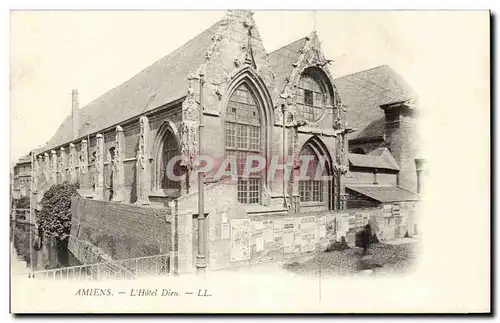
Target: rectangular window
column 254, row 137
column 231, row 135
column 249, row 190
column 311, row 191
column 241, row 136
column 308, row 97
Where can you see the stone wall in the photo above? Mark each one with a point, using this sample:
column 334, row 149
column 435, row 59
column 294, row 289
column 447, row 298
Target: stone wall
column 118, row 231
column 237, row 239
column 388, row 221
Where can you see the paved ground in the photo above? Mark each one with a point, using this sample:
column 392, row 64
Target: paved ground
column 393, row 257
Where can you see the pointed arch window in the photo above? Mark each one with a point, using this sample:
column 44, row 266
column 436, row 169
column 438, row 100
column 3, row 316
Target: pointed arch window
column 169, row 151
column 311, row 190
column 243, row 138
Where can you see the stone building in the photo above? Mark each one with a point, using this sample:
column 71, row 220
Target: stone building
column 384, row 146
column 283, row 103
column 22, row 177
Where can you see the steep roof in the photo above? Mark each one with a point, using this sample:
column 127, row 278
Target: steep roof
column 364, row 92
column 162, row 82
column 24, row 159
column 384, row 161
column 384, row 193
column 281, row 61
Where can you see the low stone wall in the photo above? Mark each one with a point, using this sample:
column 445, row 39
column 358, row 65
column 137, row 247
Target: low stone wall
column 388, row 221
column 115, row 231
column 238, row 239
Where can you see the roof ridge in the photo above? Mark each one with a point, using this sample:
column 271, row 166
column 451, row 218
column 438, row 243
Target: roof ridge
column 291, row 43
column 366, row 70
column 154, row 63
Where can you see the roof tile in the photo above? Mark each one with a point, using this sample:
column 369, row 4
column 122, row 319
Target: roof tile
column 384, row 193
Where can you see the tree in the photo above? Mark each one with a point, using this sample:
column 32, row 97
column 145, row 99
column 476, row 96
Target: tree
column 54, row 219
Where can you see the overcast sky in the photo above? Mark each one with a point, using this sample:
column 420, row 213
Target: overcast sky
column 444, row 56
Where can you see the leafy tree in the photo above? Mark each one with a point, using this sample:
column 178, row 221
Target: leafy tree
column 54, row 218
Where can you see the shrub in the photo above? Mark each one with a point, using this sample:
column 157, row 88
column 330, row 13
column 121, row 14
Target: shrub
column 406, row 234
column 54, row 219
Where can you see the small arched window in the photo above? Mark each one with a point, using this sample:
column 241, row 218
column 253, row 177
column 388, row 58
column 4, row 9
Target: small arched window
column 311, row 189
column 312, row 96
column 170, row 150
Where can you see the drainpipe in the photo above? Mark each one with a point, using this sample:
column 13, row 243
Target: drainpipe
column 283, row 110
column 200, row 257
column 419, row 164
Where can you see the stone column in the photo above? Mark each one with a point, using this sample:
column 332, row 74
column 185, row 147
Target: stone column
column 83, row 165
column 72, row 162
column 99, row 168
column 53, row 167
column 117, row 167
column 63, row 164
column 143, row 171
column 174, row 236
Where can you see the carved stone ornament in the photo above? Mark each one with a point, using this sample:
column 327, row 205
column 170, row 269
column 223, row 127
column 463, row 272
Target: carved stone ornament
column 340, row 169
column 343, row 201
column 217, row 90
column 189, row 143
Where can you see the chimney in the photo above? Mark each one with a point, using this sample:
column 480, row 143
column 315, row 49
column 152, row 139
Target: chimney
column 74, row 113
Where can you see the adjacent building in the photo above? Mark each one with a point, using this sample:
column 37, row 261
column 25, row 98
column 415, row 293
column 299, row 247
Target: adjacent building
column 384, row 148
column 22, row 177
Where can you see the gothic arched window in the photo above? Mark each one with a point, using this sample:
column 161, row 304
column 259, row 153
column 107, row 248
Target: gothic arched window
column 243, row 138
column 170, row 150
column 311, row 189
column 312, row 96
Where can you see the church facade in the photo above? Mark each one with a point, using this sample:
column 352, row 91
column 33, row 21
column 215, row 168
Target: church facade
column 224, row 88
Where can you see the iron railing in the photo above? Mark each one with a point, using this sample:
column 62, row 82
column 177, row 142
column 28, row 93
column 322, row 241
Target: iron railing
column 158, row 265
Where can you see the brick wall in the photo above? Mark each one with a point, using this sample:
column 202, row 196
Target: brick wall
column 120, row 231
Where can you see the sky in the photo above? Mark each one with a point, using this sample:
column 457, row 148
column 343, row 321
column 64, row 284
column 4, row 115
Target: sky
column 443, row 55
